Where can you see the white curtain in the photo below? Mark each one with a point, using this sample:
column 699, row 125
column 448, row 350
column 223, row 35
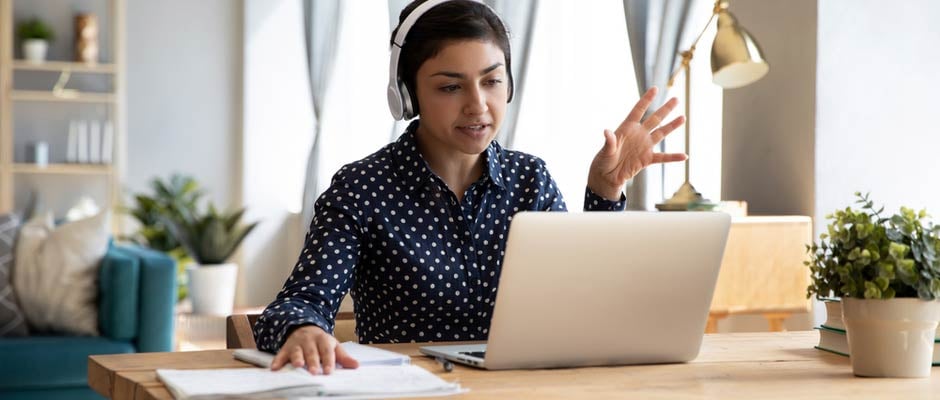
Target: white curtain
column 322, row 20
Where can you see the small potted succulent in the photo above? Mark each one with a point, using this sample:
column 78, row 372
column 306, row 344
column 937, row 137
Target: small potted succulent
column 210, row 240
column 887, row 272
column 35, row 36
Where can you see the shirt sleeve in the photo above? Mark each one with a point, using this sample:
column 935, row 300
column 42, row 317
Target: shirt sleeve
column 594, row 202
column 323, row 274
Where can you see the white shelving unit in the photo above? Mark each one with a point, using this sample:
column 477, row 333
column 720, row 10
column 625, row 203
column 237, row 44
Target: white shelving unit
column 11, row 169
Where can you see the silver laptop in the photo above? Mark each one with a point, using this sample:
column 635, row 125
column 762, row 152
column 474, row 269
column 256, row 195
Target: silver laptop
column 601, row 288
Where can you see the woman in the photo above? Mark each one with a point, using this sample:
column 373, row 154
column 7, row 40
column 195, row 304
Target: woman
column 417, row 230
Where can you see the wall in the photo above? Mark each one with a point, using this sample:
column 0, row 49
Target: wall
column 184, row 93
column 876, row 106
column 769, row 127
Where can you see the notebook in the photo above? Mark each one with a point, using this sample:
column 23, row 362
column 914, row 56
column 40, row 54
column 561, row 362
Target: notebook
column 379, row 381
column 381, row 374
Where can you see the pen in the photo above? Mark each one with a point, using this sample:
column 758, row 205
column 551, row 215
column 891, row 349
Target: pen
column 448, row 366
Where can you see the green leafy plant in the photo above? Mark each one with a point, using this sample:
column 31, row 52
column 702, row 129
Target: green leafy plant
column 211, row 238
column 170, row 198
column 867, row 256
column 35, row 29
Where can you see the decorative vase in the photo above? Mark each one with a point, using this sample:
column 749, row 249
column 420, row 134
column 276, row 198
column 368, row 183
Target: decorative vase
column 212, row 288
column 34, row 50
column 891, row 338
column 86, row 38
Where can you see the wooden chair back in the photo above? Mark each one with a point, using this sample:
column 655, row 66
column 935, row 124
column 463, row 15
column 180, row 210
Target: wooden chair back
column 238, row 333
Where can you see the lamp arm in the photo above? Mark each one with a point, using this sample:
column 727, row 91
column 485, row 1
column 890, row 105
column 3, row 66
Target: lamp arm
column 687, row 55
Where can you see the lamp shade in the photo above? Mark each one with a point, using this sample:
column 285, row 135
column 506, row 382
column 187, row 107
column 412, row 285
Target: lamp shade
column 736, row 58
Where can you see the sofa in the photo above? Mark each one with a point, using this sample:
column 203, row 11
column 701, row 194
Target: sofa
column 136, row 300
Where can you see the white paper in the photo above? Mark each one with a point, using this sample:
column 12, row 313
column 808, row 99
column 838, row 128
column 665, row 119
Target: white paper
column 82, row 142
column 94, row 143
column 381, row 380
column 372, row 381
column 209, row 383
column 107, row 143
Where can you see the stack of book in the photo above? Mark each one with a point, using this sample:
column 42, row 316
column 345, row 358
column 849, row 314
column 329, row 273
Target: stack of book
column 832, row 336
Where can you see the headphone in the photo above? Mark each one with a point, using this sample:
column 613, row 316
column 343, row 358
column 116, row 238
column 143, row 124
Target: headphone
column 401, row 102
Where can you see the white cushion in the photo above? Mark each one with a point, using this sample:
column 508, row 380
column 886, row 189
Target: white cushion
column 56, row 273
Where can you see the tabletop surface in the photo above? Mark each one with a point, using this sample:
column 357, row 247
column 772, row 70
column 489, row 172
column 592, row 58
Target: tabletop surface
column 736, row 365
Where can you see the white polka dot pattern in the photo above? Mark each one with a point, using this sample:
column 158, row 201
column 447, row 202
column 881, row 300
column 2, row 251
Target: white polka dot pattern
column 420, row 265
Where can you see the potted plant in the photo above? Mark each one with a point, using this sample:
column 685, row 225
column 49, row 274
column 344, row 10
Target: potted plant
column 170, row 199
column 35, row 36
column 210, row 240
column 887, row 272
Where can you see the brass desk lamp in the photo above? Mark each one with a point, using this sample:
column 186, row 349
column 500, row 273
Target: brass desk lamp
column 736, row 61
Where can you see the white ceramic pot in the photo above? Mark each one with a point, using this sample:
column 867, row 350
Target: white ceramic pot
column 212, row 288
column 34, row 50
column 891, row 338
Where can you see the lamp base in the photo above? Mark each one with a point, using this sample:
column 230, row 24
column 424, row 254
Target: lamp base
column 686, row 199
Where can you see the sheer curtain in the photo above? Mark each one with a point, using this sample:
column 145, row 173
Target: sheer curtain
column 322, row 19
column 519, row 16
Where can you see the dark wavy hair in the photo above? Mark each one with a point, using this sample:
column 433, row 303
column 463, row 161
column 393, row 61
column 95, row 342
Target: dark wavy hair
column 447, row 22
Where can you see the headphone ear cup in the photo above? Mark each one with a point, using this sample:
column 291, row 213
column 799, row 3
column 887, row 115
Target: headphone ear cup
column 409, row 105
column 394, row 101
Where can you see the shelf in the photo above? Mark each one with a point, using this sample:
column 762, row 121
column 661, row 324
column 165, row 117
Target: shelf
column 59, row 66
column 48, row 96
column 63, row 169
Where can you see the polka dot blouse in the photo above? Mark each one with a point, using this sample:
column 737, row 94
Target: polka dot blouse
column 420, row 265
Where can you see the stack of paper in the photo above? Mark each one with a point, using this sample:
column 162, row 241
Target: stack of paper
column 381, row 374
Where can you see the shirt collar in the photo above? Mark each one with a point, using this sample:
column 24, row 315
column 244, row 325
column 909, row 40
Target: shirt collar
column 405, row 153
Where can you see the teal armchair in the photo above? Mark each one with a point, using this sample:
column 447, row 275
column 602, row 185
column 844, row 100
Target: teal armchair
column 137, row 295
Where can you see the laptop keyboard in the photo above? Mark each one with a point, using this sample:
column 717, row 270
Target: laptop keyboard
column 478, row 354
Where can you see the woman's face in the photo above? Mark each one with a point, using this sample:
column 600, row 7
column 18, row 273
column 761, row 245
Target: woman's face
column 462, row 93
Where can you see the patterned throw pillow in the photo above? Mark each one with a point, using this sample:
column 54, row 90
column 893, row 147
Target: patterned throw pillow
column 12, row 322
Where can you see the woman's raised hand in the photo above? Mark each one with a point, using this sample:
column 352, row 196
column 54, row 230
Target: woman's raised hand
column 629, row 149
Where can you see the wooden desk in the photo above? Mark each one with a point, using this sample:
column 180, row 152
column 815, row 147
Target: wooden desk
column 741, row 365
